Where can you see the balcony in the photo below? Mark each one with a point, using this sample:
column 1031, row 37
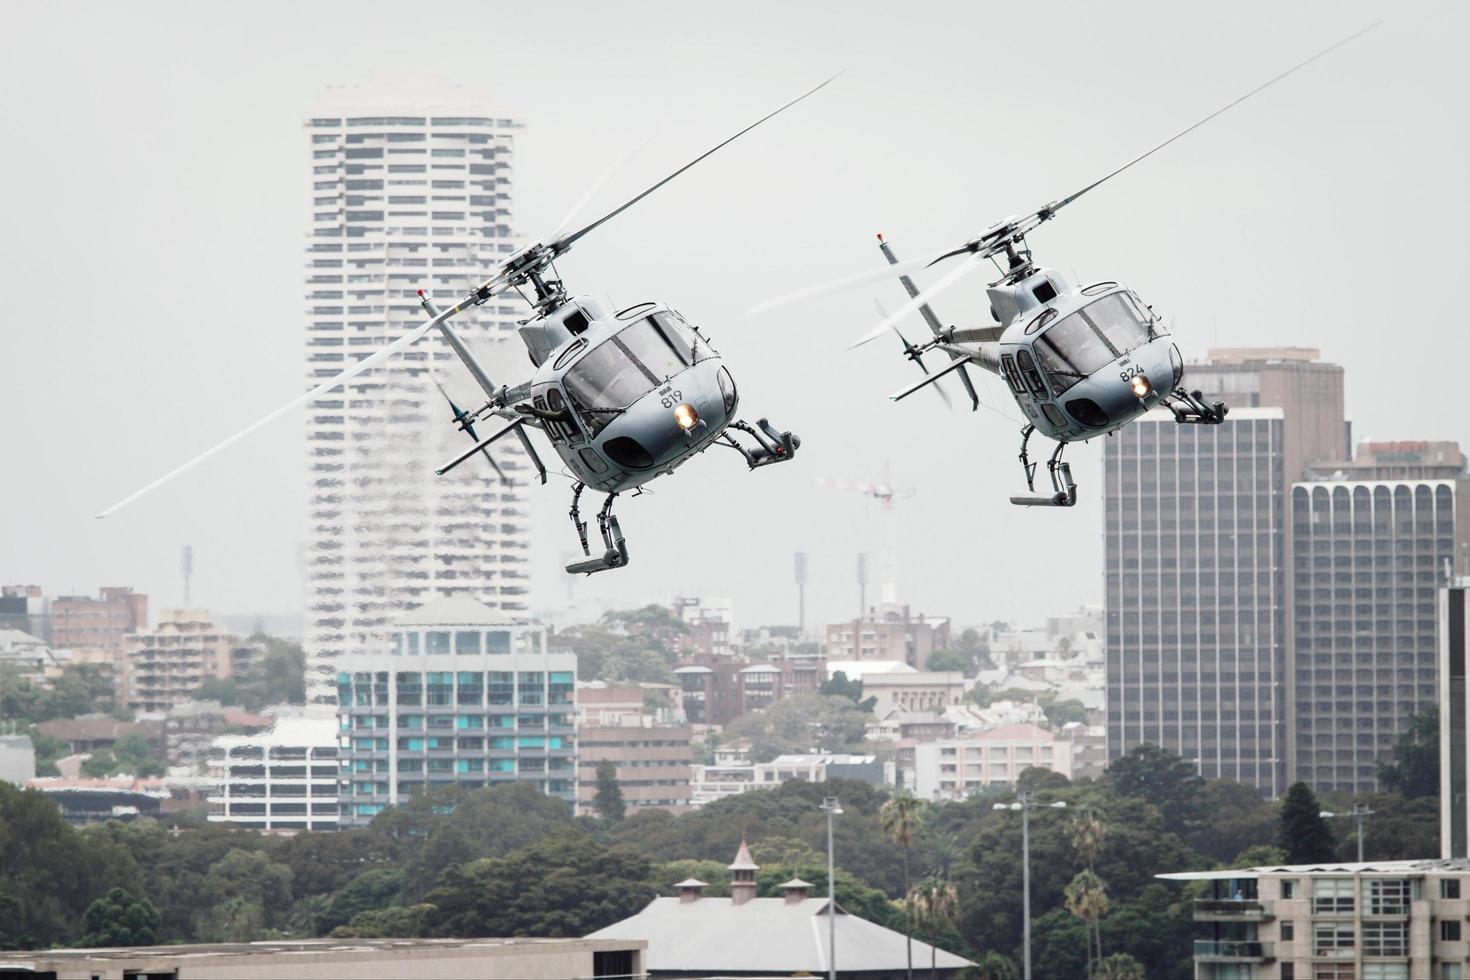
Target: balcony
column 1232, row 950
column 1230, row 910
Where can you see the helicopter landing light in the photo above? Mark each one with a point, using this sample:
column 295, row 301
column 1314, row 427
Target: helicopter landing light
column 685, row 416
column 1140, row 385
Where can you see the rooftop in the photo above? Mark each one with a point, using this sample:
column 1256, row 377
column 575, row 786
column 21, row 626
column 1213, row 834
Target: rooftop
column 765, row 935
column 1420, row 866
column 456, row 610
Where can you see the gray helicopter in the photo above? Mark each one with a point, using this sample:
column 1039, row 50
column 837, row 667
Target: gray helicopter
column 624, row 396
column 1081, row 360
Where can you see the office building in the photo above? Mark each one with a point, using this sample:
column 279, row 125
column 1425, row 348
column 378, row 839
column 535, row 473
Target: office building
column 652, row 764
column 1369, row 558
column 455, row 696
column 1194, row 543
column 1454, row 720
column 284, row 779
column 1388, row 920
column 403, row 199
column 101, row 624
column 1197, row 550
column 25, row 608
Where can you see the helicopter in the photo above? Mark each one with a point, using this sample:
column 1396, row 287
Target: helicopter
column 623, row 396
column 1081, row 360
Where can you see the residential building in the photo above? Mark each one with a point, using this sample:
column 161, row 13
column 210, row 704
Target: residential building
column 27, row 657
column 953, row 769
column 456, row 695
column 25, row 608
column 1454, row 720
column 190, row 728
column 284, row 779
column 1369, row 557
column 717, row 690
column 403, row 199
column 923, row 691
column 17, row 759
column 894, row 634
column 652, row 764
column 98, row 732
column 600, row 704
column 693, row 935
column 98, row 628
column 1402, row 460
column 733, row 776
column 1194, row 550
column 708, row 621
column 1388, row 920
column 361, row 959
column 165, row 666
column 1089, row 749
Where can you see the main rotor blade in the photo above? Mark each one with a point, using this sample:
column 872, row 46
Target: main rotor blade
column 596, row 186
column 919, row 360
column 1051, row 209
column 321, row 389
column 566, row 242
column 948, row 279
column 846, row 282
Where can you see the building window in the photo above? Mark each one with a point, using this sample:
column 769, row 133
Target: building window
column 1387, row 938
column 1451, row 971
column 1385, row 971
column 1332, row 939
column 437, row 641
column 1288, row 888
column 1288, row 971
column 466, row 642
column 1288, row 931
column 1449, row 888
column 1449, row 931
column 1332, row 896
column 1386, row 896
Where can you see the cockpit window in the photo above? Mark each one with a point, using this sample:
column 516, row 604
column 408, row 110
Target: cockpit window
column 1083, row 342
column 615, row 373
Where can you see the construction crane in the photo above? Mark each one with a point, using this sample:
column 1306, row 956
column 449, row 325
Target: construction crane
column 885, row 493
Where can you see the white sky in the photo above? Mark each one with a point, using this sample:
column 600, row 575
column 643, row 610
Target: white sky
column 155, row 201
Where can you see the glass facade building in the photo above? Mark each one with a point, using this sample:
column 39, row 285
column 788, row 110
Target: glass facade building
column 402, row 200
column 457, row 698
column 1196, row 630
column 1369, row 559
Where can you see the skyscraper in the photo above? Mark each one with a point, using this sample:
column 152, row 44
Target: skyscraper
column 1193, row 540
column 1371, row 553
column 402, row 199
column 1197, row 546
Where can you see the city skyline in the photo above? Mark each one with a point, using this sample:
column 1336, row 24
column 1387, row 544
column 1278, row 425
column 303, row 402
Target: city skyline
column 750, row 225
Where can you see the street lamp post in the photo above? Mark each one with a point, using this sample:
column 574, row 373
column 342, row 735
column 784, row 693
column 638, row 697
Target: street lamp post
column 832, row 808
column 1025, row 802
column 1360, row 812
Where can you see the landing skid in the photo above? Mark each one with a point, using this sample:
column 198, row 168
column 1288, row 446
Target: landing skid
column 1064, row 490
column 615, row 554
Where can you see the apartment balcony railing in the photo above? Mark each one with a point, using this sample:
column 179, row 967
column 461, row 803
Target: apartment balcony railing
column 1230, row 910
column 1230, row 949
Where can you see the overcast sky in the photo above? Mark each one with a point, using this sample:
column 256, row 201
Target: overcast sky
column 154, row 201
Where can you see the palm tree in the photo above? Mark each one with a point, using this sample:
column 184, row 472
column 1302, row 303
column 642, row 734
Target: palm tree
column 1087, row 899
column 901, row 817
column 942, row 850
column 1119, row 966
column 995, row 966
column 1089, row 830
column 935, row 902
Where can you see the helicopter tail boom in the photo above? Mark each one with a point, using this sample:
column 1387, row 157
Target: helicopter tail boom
column 927, row 312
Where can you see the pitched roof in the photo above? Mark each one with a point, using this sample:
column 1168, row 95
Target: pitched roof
column 743, row 860
column 456, row 610
column 764, row 935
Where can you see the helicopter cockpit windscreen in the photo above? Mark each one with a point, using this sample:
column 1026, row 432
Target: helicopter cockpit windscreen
column 621, row 369
column 1082, row 343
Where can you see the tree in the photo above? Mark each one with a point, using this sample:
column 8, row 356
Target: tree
column 244, row 894
column 1119, row 966
column 901, row 817
column 993, row 966
column 370, row 891
column 608, row 800
column 1087, row 899
column 1414, row 770
column 1150, row 773
column 120, row 919
column 838, row 685
column 934, row 902
column 1065, row 712
column 801, row 722
column 1233, row 816
column 1302, row 832
column 567, row 884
